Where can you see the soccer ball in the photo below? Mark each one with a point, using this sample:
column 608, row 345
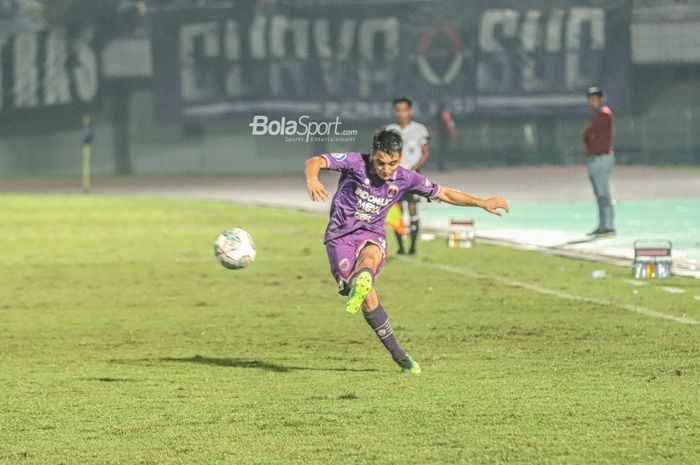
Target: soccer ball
column 234, row 249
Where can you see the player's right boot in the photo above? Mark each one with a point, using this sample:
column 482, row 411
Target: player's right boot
column 360, row 288
column 409, row 365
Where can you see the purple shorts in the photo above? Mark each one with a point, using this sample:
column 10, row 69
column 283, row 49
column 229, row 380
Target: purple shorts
column 343, row 252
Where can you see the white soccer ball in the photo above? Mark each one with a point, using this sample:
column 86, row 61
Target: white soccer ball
column 234, row 249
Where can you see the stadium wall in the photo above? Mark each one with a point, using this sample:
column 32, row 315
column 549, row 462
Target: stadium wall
column 661, row 127
column 666, row 133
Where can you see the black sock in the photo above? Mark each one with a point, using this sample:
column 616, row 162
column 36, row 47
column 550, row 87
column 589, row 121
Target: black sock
column 399, row 238
column 415, row 226
column 378, row 320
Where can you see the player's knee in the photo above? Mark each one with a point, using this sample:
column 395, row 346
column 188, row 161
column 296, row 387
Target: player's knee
column 370, row 257
column 367, row 262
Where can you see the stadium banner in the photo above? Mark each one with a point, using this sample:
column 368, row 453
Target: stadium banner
column 332, row 59
column 49, row 72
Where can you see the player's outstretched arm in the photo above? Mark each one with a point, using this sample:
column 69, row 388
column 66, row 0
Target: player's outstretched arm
column 455, row 197
column 316, row 190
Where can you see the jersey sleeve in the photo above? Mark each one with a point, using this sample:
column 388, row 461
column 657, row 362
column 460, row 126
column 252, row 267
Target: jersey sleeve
column 420, row 185
column 343, row 161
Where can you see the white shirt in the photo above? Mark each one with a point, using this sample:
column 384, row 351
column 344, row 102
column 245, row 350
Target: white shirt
column 415, row 136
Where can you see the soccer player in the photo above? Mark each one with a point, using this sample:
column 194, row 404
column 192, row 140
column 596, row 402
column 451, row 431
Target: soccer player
column 415, row 153
column 355, row 239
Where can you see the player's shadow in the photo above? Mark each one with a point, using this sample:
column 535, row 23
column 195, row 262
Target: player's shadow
column 249, row 363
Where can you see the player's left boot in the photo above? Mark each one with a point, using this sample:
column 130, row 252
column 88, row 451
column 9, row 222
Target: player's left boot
column 360, row 288
column 409, row 366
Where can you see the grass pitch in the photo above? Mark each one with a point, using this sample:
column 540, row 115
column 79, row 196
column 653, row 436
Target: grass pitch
column 123, row 341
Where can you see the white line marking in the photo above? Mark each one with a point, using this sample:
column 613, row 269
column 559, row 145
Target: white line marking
column 555, row 293
column 697, row 297
column 672, row 290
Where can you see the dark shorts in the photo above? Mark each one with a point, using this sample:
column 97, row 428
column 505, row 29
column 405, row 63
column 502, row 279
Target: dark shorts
column 343, row 252
column 410, row 197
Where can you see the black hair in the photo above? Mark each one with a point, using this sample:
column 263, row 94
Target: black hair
column 594, row 91
column 405, row 100
column 387, row 141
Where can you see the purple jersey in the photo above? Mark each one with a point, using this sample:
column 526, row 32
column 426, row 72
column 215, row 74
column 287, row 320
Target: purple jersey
column 363, row 198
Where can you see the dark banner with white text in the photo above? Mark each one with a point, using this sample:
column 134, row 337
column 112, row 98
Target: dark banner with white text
column 350, row 60
column 49, row 72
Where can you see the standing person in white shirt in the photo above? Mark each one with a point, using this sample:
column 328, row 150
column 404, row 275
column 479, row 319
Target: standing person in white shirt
column 415, row 153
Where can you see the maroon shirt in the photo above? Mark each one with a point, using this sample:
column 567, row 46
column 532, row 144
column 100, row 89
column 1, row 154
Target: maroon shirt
column 598, row 134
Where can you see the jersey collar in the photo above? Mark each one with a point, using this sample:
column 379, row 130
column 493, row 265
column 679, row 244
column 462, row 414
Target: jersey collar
column 374, row 173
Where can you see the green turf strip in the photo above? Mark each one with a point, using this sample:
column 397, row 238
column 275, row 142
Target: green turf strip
column 677, row 220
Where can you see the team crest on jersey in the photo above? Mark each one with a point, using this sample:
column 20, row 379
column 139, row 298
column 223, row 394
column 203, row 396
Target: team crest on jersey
column 344, row 264
column 339, row 156
column 393, row 190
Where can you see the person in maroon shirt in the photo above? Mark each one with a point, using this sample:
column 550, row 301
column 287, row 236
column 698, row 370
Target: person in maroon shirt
column 598, row 138
column 446, row 134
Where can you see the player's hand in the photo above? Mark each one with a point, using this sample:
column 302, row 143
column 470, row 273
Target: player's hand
column 492, row 205
column 317, row 191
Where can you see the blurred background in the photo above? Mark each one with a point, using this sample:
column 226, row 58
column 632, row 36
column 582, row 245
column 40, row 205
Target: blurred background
column 170, row 87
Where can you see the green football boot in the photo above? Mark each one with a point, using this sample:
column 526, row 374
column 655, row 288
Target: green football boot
column 414, row 369
column 360, row 289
